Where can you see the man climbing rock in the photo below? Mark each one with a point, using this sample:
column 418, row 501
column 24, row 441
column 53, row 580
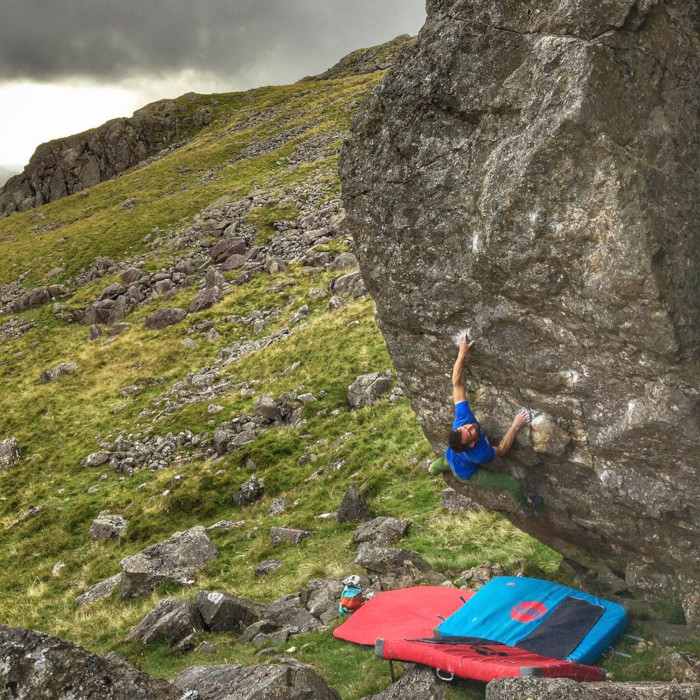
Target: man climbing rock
column 469, row 448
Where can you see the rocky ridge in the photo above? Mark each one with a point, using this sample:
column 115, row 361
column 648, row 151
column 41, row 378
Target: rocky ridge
column 65, row 166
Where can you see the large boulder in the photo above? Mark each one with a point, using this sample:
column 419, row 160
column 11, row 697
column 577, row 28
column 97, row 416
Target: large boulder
column 528, row 172
column 35, row 665
column 177, row 559
column 288, row 681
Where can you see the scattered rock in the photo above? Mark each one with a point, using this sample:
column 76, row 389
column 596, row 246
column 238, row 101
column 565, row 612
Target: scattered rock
column 353, row 508
column 277, row 506
column 382, row 532
column 96, row 459
column 455, row 502
column 51, row 375
column 171, row 621
column 285, row 534
column 177, row 559
column 225, row 612
column 269, row 566
column 367, row 389
column 391, row 567
column 165, row 317
column 251, row 491
column 478, row 576
column 206, row 298
column 108, row 527
column 9, row 454
column 99, row 590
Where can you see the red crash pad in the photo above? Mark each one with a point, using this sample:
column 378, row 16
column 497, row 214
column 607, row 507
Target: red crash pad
column 482, row 662
column 406, row 613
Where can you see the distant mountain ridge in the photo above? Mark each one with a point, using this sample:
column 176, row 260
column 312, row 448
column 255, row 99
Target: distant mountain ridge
column 68, row 165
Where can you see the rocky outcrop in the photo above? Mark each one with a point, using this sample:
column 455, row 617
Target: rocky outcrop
column 527, row 173
column 35, row 665
column 65, row 166
column 566, row 689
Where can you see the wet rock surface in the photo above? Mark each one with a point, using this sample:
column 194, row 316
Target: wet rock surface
column 526, row 172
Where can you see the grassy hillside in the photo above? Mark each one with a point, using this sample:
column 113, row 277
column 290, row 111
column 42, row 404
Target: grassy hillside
column 247, row 153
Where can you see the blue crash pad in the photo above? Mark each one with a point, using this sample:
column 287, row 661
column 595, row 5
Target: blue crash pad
column 541, row 617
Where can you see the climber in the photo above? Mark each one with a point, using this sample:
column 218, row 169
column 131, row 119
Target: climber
column 469, row 448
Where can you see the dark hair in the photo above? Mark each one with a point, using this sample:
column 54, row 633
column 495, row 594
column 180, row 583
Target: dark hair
column 456, row 443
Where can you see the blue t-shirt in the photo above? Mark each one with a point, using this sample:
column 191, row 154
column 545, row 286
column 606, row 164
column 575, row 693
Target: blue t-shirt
column 464, row 464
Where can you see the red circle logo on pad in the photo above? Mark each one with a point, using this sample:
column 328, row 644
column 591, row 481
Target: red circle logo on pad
column 528, row 611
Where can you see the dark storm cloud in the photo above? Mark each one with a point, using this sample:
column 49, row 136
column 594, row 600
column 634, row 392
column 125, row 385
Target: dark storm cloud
column 50, row 40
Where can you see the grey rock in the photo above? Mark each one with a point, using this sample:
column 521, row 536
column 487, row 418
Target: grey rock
column 99, row 590
column 391, row 567
column 227, row 247
column 251, row 491
column 353, row 508
column 289, row 681
column 269, row 566
column 417, row 683
column 277, row 506
column 107, row 526
column 177, row 559
column 567, row 689
column 171, row 621
column 233, row 262
column 225, row 612
column 36, row 665
column 266, row 407
column 383, row 531
column 165, row 317
column 9, row 453
column 206, row 298
column 286, row 534
column 478, row 576
column 559, row 140
column 97, row 459
column 51, row 375
column 367, row 389
column 455, row 502
column 345, row 261
column 264, row 626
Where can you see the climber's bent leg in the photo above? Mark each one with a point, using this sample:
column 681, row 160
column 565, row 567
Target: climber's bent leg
column 496, row 480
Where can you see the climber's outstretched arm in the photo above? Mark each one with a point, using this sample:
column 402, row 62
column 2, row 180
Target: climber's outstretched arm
column 457, row 387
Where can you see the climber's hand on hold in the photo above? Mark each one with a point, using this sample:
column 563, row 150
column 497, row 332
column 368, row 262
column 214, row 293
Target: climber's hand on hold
column 522, row 419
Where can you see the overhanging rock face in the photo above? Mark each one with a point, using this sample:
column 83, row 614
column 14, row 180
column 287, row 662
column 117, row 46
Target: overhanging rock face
column 529, row 172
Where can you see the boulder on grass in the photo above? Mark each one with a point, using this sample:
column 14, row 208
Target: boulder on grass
column 225, row 612
column 170, row 621
column 9, row 454
column 177, row 559
column 353, row 508
column 367, row 389
column 164, row 318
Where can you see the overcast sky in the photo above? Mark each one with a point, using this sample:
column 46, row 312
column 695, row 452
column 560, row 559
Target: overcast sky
column 69, row 65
